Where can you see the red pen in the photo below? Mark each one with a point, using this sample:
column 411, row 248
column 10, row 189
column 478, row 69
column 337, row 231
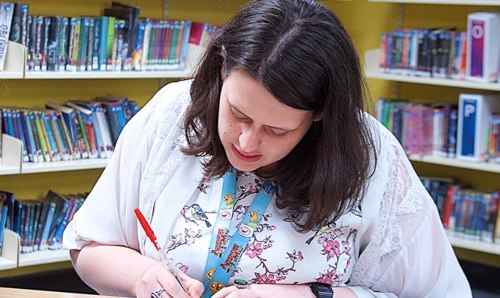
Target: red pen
column 151, row 235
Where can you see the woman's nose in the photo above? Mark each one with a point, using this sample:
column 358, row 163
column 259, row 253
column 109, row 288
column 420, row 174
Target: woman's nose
column 249, row 139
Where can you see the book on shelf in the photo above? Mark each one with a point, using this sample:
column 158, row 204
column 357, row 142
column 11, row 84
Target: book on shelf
column 129, row 14
column 6, row 213
column 15, row 28
column 3, row 221
column 118, row 41
column 428, row 52
column 39, row 223
column 87, row 121
column 1, row 135
column 6, row 13
column 80, row 129
column 71, row 129
column 411, row 122
column 467, row 213
column 494, row 138
column 100, row 133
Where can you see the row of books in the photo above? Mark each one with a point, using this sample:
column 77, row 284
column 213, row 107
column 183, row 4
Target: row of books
column 80, row 129
column 40, row 224
column 468, row 131
column 468, row 213
column 445, row 52
column 413, row 124
column 117, row 41
column 439, row 53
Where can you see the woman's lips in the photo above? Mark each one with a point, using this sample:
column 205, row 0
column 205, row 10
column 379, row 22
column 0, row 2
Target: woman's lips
column 243, row 157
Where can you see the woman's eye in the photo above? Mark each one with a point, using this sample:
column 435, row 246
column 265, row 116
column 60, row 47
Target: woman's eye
column 239, row 117
column 276, row 132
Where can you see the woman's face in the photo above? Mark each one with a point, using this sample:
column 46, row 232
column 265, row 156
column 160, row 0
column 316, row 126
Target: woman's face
column 256, row 129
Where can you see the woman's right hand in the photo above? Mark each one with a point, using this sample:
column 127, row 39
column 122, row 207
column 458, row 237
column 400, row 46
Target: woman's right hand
column 158, row 277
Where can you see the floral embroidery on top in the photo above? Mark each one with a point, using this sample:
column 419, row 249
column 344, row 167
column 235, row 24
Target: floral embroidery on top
column 204, row 185
column 333, row 249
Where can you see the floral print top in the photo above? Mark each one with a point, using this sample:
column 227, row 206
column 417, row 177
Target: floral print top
column 276, row 252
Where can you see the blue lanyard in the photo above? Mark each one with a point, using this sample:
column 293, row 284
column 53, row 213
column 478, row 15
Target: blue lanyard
column 226, row 250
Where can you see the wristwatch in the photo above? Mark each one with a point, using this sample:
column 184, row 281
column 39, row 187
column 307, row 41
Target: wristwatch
column 321, row 290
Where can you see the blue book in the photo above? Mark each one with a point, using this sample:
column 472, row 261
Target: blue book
column 54, row 150
column 3, row 221
column 51, row 209
column 28, row 135
column 70, row 119
column 16, row 114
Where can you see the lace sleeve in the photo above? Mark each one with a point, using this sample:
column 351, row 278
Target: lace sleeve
column 401, row 233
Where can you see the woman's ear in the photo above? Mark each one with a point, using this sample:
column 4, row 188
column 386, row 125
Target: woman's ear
column 318, row 117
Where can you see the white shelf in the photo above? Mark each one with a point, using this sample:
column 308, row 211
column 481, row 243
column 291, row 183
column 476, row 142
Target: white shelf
column 43, row 257
column 456, row 163
column 445, row 2
column 106, row 74
column 6, row 264
column 11, row 75
column 372, row 71
column 59, row 166
column 8, row 170
column 491, row 248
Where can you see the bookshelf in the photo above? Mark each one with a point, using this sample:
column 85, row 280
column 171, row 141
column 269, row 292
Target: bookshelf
column 372, row 71
column 11, row 257
column 490, row 248
column 43, row 257
column 31, row 89
column 416, row 85
column 174, row 74
column 456, row 163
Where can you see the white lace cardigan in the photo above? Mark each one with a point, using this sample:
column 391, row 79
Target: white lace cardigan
column 400, row 247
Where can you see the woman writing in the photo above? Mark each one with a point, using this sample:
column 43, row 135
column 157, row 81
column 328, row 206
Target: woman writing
column 263, row 177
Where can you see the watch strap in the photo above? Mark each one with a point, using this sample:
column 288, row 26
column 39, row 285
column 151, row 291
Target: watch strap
column 321, row 290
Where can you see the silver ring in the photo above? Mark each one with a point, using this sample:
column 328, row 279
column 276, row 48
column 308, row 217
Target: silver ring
column 157, row 293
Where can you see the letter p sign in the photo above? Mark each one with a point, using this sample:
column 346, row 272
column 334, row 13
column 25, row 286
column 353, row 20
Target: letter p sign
column 469, row 109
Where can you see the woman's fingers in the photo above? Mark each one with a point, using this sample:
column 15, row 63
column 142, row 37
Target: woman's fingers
column 193, row 286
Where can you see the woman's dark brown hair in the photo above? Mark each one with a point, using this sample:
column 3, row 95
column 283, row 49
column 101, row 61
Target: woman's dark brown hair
column 301, row 54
